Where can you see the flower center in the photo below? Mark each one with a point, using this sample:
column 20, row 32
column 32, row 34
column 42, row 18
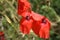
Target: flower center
column 44, row 21
column 27, row 17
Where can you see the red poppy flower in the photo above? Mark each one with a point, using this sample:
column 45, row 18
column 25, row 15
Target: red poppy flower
column 31, row 20
column 42, row 28
column 26, row 25
column 39, row 24
column 1, row 33
column 45, row 28
column 2, row 36
column 23, row 6
column 37, row 20
column 36, row 16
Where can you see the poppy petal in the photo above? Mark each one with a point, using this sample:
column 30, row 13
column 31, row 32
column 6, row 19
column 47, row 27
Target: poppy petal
column 36, row 27
column 23, row 6
column 25, row 25
column 25, row 14
column 2, row 36
column 1, row 33
column 36, row 16
column 44, row 30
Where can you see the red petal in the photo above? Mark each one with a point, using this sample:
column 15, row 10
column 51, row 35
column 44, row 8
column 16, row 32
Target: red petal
column 23, row 6
column 2, row 36
column 25, row 14
column 36, row 16
column 41, row 29
column 25, row 25
column 37, row 21
column 36, row 27
column 1, row 33
column 44, row 30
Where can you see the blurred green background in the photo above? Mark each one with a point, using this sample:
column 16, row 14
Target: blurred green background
column 10, row 19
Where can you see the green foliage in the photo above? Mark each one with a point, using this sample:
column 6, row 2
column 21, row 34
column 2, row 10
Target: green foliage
column 55, row 4
column 49, row 13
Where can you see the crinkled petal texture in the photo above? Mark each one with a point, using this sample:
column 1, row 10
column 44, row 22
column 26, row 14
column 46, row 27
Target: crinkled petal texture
column 25, row 25
column 23, row 6
column 36, row 16
column 37, row 20
column 36, row 27
column 41, row 26
column 45, row 28
column 41, row 29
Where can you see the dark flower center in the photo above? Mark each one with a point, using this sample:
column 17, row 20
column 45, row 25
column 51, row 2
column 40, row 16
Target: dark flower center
column 27, row 17
column 43, row 21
